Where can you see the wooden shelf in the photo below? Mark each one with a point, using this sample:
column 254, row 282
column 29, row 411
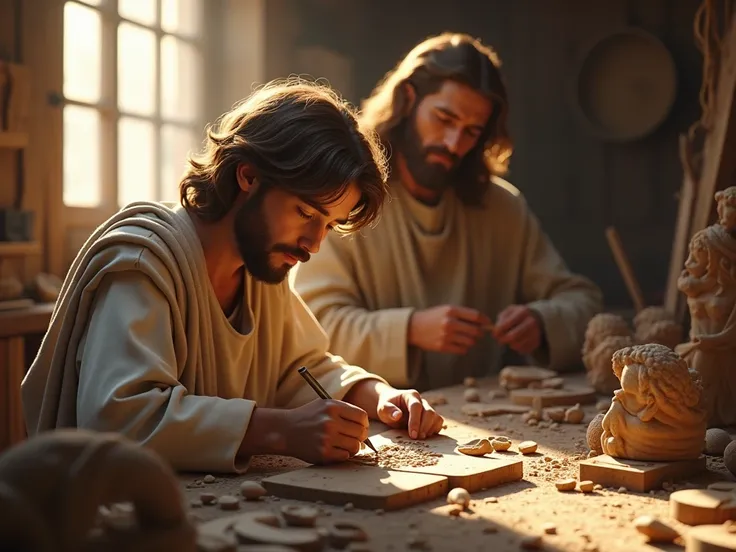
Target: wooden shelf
column 19, row 249
column 13, row 140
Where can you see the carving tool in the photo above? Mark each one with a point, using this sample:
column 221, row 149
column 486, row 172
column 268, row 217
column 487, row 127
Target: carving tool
column 314, row 384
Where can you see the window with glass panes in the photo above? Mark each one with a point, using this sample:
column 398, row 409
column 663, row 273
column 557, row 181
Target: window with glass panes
column 133, row 93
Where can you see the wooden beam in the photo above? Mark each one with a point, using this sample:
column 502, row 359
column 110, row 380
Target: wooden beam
column 719, row 160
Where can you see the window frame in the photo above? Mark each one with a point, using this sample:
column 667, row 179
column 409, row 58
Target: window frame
column 110, row 113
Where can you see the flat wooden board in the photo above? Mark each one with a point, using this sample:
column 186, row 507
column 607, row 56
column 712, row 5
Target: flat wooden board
column 635, row 475
column 472, row 473
column 702, row 506
column 368, row 487
column 568, row 396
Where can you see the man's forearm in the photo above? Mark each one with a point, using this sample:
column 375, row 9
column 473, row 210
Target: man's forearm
column 266, row 433
column 364, row 394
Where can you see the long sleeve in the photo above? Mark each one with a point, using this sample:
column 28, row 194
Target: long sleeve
column 128, row 382
column 565, row 301
column 374, row 339
column 306, row 344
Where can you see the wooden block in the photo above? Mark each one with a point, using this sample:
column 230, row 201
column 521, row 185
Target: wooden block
column 517, row 377
column 711, row 538
column 702, row 506
column 367, row 487
column 554, row 397
column 635, row 475
column 469, row 472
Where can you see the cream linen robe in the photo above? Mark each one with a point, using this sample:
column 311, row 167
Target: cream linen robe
column 363, row 289
column 139, row 345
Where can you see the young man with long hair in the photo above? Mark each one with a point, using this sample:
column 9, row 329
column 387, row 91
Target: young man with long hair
column 176, row 325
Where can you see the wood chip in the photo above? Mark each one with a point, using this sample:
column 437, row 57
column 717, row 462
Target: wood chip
column 527, row 447
column 470, row 382
column 656, row 530
column 566, row 485
column 228, row 502
column 586, row 486
column 475, row 447
column 471, row 395
column 459, row 496
column 549, row 528
column 252, row 490
column 208, row 498
column 574, row 415
column 209, row 479
column 501, row 445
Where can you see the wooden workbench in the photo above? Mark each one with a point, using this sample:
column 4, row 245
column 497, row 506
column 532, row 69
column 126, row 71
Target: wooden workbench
column 584, row 522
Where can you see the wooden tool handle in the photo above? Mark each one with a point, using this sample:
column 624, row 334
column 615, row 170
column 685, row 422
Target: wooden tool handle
column 622, row 261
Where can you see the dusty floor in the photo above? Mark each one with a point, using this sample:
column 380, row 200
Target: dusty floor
column 600, row 521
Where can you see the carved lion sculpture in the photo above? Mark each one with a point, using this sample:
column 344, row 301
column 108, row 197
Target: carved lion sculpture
column 658, row 413
column 53, row 485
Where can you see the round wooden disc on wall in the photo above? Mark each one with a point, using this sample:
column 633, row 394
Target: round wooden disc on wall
column 711, row 538
column 703, row 506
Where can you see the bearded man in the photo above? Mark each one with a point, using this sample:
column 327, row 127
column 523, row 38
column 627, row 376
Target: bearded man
column 176, row 326
column 458, row 268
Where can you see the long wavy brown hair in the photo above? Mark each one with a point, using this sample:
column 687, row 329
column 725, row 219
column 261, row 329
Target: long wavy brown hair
column 458, row 57
column 297, row 136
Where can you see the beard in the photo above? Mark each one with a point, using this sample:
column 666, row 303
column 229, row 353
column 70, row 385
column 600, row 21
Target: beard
column 256, row 246
column 428, row 175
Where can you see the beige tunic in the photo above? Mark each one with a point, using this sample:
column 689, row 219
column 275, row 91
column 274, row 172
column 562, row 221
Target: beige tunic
column 363, row 289
column 138, row 344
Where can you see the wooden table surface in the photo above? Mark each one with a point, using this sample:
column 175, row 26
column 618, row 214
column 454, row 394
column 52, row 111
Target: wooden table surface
column 499, row 517
column 31, row 320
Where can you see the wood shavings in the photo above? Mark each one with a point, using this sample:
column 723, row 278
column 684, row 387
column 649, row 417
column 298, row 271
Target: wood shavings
column 401, row 455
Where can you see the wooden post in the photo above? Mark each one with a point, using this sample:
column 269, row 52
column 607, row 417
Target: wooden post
column 719, row 170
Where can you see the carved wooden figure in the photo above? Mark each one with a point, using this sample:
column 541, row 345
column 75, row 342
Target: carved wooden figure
column 657, row 415
column 709, row 282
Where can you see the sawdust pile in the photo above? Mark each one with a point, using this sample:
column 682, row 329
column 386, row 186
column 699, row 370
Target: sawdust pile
column 401, row 455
